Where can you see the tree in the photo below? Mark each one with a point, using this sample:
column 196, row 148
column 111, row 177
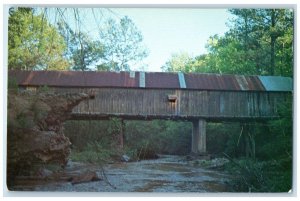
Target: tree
column 260, row 31
column 259, row 42
column 82, row 51
column 34, row 44
column 122, row 44
column 179, row 62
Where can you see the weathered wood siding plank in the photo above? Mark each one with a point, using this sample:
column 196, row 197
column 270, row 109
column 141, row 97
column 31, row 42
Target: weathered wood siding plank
column 189, row 103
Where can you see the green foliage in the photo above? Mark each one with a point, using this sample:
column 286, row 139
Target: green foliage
column 83, row 132
column 271, row 171
column 141, row 138
column 33, row 44
column 122, row 44
column 223, row 138
column 280, row 135
column 260, row 176
column 94, row 152
column 82, row 51
column 22, row 121
column 259, row 42
column 43, row 89
column 179, row 62
column 165, row 137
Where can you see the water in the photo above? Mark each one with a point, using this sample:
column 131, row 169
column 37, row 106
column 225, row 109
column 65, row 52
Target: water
column 166, row 174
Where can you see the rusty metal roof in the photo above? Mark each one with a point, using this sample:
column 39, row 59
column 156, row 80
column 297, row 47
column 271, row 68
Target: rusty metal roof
column 194, row 81
column 162, row 80
column 75, row 78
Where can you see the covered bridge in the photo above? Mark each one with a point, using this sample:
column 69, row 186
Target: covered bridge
column 155, row 95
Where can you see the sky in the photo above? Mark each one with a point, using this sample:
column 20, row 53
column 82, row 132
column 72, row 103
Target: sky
column 167, row 31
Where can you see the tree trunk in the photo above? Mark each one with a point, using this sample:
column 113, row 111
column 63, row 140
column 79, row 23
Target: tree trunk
column 273, row 40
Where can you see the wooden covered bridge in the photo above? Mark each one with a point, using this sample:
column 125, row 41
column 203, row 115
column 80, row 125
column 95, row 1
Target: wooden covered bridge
column 154, row 95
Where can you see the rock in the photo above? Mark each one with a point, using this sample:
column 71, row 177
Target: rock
column 44, row 173
column 125, row 158
column 211, row 164
column 85, row 177
column 35, row 131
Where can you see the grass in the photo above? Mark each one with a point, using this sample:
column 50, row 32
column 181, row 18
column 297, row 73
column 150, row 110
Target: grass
column 95, row 152
column 251, row 175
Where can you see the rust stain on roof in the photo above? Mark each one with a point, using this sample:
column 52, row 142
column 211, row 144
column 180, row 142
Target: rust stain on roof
column 194, row 81
column 162, row 80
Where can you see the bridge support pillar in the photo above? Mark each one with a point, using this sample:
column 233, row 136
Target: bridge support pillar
column 199, row 137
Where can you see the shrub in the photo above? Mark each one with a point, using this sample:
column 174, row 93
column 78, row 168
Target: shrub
column 94, row 152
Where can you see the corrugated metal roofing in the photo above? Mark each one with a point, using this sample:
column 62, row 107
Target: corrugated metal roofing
column 162, row 80
column 76, row 78
column 276, row 83
column 195, row 81
column 223, row 82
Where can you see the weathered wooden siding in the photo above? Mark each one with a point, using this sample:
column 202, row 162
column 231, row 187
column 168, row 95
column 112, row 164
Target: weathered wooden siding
column 189, row 103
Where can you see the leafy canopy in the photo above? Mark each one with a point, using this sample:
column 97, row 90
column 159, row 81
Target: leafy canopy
column 122, row 44
column 259, row 42
column 34, row 44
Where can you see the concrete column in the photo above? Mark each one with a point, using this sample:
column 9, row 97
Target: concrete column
column 199, row 137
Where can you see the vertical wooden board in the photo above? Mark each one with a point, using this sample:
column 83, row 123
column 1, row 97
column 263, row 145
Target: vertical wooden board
column 101, row 100
column 222, row 104
column 245, row 104
column 250, row 104
column 214, row 103
column 196, row 103
column 189, row 103
column 225, row 105
column 118, row 100
column 161, row 103
column 112, row 99
column 104, row 97
column 236, row 105
column 107, row 101
column 144, row 104
column 149, row 102
column 121, row 100
column 193, row 102
column 268, row 105
column 183, row 103
column 253, row 104
column 165, row 102
column 158, row 103
column 211, row 104
column 99, row 93
column 140, row 96
column 155, row 103
column 198, row 99
column 205, row 103
column 130, row 95
column 263, row 106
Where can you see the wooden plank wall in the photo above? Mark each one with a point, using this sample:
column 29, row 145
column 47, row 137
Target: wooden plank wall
column 189, row 103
